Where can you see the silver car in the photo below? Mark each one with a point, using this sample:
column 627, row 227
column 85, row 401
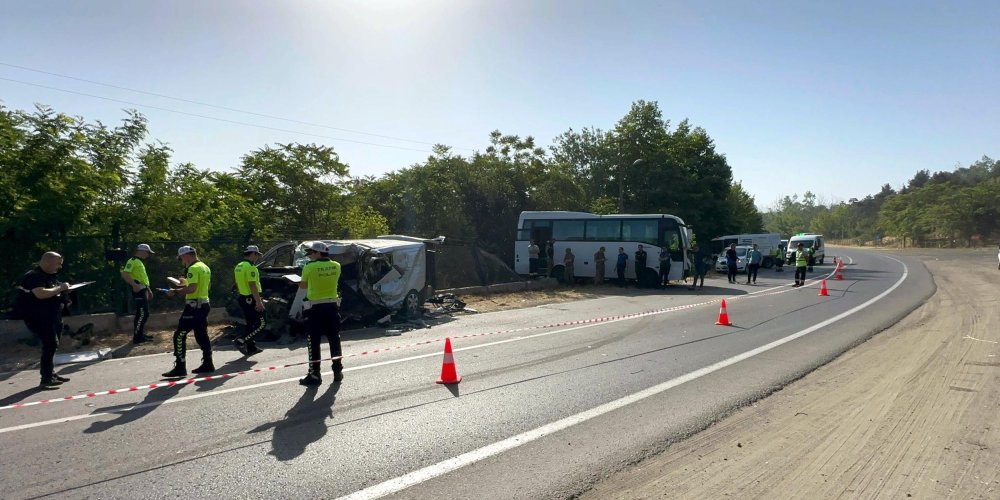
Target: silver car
column 741, row 260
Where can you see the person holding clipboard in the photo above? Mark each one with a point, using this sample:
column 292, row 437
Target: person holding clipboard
column 40, row 305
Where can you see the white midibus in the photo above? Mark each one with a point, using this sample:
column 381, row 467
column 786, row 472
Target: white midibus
column 584, row 233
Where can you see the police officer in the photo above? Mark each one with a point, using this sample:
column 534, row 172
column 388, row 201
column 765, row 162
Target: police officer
column 322, row 312
column 194, row 286
column 39, row 305
column 640, row 265
column 134, row 274
column 801, row 262
column 248, row 287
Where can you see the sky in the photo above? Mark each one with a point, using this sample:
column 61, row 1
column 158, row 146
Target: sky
column 837, row 98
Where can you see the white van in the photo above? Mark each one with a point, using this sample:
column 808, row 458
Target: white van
column 808, row 240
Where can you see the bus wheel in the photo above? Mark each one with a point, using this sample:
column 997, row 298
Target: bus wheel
column 648, row 278
column 559, row 273
column 768, row 263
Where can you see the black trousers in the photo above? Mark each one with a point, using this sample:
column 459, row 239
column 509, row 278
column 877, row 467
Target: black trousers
column 47, row 330
column 255, row 319
column 621, row 275
column 533, row 265
column 664, row 274
column 732, row 272
column 193, row 318
column 141, row 314
column 800, row 274
column 323, row 319
column 752, row 272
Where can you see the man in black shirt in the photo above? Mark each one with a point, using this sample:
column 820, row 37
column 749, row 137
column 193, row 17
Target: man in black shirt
column 40, row 304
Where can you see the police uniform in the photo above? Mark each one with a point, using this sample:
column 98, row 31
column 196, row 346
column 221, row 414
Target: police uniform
column 43, row 317
column 322, row 314
column 246, row 273
column 194, row 317
column 136, row 270
column 801, row 262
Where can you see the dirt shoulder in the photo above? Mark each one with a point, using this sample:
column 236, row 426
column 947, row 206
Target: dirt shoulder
column 914, row 412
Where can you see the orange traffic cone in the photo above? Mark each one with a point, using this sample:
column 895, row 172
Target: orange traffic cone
column 448, row 373
column 723, row 315
column 840, row 271
column 822, row 290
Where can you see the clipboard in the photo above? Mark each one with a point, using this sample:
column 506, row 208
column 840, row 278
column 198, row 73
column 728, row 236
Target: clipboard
column 79, row 285
column 294, row 278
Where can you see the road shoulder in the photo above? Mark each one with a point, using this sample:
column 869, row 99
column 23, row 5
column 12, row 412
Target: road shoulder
column 913, row 411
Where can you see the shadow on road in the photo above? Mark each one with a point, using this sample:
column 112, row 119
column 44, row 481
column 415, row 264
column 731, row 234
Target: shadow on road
column 130, row 413
column 304, row 423
column 230, row 367
column 19, row 396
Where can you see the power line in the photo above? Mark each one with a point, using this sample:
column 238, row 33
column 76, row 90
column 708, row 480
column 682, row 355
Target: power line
column 130, row 103
column 235, row 110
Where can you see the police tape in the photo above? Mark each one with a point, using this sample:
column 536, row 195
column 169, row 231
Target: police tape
column 602, row 319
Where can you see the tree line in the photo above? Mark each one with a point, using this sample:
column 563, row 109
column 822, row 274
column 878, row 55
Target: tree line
column 82, row 187
column 946, row 208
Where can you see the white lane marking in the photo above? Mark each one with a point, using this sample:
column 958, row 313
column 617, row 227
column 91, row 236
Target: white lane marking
column 980, row 340
column 219, row 392
column 418, row 476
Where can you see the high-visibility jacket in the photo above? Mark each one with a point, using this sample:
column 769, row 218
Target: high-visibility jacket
column 801, row 258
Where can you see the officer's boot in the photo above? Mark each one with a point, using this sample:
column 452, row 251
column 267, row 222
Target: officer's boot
column 338, row 371
column 180, row 370
column 252, row 348
column 206, row 366
column 312, row 377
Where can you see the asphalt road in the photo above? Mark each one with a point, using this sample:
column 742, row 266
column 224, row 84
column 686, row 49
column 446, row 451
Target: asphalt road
column 542, row 412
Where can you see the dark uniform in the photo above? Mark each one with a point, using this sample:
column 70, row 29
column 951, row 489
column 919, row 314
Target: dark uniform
column 245, row 273
column 640, row 265
column 194, row 317
column 322, row 315
column 43, row 317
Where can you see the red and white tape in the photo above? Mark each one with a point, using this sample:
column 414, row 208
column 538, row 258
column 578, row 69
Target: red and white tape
column 172, row 383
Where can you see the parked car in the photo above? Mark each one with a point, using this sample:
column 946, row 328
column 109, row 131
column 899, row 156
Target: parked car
column 741, row 260
column 384, row 275
column 769, row 245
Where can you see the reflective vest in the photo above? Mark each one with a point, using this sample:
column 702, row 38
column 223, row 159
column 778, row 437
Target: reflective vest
column 321, row 277
column 801, row 258
column 199, row 273
column 245, row 274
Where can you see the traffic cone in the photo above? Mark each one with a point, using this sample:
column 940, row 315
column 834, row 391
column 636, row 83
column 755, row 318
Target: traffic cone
column 840, row 271
column 723, row 315
column 448, row 373
column 822, row 290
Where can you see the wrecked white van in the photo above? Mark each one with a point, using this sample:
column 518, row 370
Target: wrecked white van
column 391, row 274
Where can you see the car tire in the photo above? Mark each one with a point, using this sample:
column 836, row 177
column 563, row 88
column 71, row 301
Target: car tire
column 767, row 263
column 411, row 305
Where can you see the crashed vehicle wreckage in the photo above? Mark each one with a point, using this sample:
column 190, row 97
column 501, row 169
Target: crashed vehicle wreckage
column 387, row 275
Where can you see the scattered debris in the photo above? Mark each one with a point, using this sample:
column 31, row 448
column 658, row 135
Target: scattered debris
column 80, row 357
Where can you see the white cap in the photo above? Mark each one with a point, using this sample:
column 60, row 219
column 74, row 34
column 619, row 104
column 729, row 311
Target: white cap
column 184, row 250
column 144, row 248
column 251, row 249
column 319, row 246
